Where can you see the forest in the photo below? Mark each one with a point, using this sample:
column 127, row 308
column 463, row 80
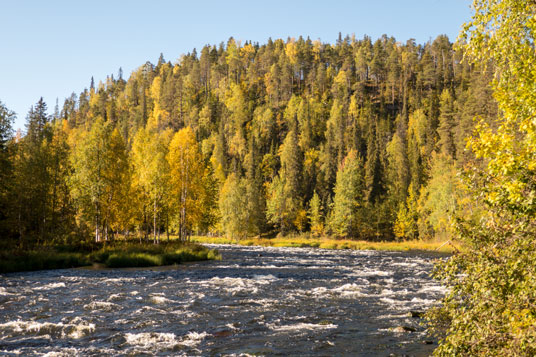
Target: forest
column 360, row 139
column 357, row 139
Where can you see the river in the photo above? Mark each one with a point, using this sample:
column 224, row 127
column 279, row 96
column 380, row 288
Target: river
column 256, row 301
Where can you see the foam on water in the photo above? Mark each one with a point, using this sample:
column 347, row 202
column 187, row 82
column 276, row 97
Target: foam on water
column 102, row 305
column 58, row 330
column 150, row 340
column 160, row 340
column 50, row 286
column 115, row 297
column 251, row 302
column 4, row 292
column 301, row 326
column 159, row 300
column 268, row 277
column 433, row 288
column 122, row 280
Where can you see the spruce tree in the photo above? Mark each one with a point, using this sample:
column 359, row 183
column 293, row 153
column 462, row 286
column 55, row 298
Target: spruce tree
column 346, row 215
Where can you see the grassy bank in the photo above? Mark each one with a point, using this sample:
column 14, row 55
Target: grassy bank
column 119, row 254
column 328, row 243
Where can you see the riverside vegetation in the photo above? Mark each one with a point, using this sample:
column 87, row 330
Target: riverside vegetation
column 327, row 243
column 120, row 254
column 490, row 308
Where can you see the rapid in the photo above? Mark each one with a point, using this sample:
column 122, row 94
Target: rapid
column 255, row 301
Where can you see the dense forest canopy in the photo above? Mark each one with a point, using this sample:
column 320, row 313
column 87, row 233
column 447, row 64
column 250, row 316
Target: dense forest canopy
column 360, row 139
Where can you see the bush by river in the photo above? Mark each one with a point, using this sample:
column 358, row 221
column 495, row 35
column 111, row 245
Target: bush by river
column 120, row 254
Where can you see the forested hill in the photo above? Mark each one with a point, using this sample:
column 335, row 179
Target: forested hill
column 359, row 139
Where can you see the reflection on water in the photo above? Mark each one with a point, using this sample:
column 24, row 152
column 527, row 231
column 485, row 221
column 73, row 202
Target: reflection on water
column 256, row 301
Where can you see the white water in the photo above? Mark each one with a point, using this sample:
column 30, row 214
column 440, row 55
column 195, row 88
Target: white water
column 253, row 302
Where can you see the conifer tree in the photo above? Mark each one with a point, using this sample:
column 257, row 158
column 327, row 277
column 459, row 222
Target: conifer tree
column 34, row 174
column 316, row 215
column 285, row 201
column 346, row 216
column 6, row 164
column 280, row 116
column 446, row 124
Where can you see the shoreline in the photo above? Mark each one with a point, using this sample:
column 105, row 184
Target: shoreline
column 337, row 244
column 120, row 256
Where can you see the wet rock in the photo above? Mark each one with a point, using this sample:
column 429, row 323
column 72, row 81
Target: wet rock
column 403, row 329
column 416, row 314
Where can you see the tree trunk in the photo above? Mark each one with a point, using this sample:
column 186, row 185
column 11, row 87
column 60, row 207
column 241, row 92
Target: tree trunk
column 97, row 238
column 154, row 221
column 167, row 226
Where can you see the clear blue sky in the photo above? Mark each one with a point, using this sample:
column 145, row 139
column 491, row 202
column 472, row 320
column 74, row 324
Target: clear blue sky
column 52, row 48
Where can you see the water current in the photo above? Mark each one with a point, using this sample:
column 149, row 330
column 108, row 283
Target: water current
column 256, row 301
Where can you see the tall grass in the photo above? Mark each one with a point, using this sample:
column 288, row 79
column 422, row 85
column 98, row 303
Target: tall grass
column 329, row 243
column 119, row 254
column 41, row 260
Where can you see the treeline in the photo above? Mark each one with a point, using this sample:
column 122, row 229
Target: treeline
column 356, row 139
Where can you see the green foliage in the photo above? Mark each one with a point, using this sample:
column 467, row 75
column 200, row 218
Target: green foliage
column 101, row 178
column 132, row 260
column 187, row 189
column 346, row 214
column 315, row 215
column 41, row 260
column 446, row 124
column 120, row 254
column 284, row 205
column 151, row 153
column 151, row 173
column 330, row 243
column 6, row 165
column 233, row 206
column 438, row 200
column 405, row 226
column 489, row 309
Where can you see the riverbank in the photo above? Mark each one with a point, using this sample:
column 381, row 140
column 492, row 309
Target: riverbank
column 119, row 254
column 328, row 243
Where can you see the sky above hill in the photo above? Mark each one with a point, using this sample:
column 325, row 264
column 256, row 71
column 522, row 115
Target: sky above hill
column 52, row 48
